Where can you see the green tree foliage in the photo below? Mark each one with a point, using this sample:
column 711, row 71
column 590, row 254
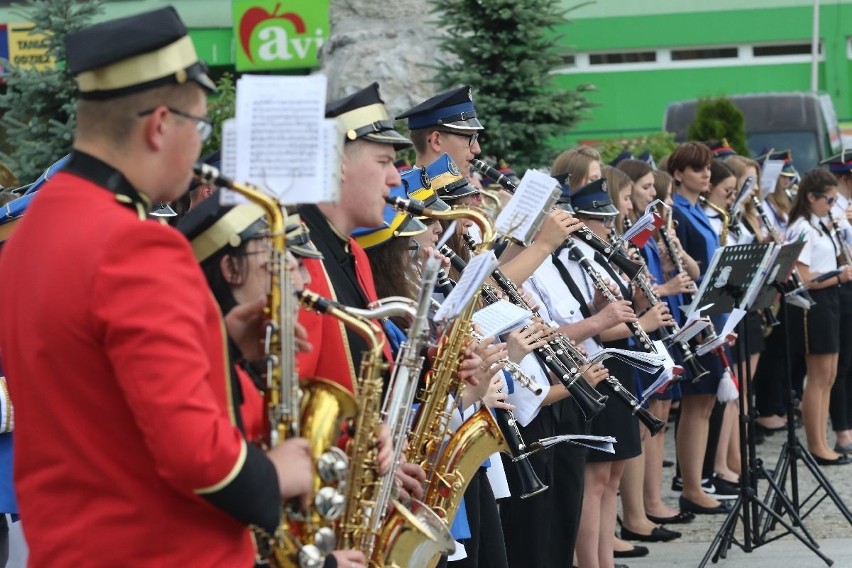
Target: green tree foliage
column 220, row 108
column 717, row 118
column 38, row 120
column 661, row 144
column 506, row 50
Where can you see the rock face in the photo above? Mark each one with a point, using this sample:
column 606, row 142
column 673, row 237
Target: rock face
column 393, row 43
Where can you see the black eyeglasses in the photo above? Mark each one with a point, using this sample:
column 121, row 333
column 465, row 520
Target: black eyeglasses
column 204, row 126
column 471, row 138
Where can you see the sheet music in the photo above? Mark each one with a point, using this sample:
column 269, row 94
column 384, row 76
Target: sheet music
column 599, row 443
column 279, row 136
column 769, row 172
column 331, row 158
column 228, row 163
column 760, row 278
column 664, row 379
column 728, row 329
column 745, row 192
column 522, row 216
column 695, row 324
column 501, row 317
column 478, row 269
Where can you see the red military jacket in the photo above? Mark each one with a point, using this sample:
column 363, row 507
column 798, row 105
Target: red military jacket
column 115, row 355
column 336, row 355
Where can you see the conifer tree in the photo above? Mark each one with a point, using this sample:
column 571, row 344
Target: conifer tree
column 38, row 120
column 718, row 118
column 506, row 50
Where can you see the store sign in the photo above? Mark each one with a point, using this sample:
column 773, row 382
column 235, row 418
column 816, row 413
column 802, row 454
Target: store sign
column 279, row 34
column 28, row 50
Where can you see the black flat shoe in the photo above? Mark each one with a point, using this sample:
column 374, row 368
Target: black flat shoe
column 679, row 519
column 659, row 534
column 690, row 507
column 842, row 459
column 635, row 552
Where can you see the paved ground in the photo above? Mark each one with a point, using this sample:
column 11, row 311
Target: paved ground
column 825, row 523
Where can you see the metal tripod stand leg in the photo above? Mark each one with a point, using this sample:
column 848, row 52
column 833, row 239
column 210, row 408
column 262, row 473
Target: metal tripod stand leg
column 748, row 507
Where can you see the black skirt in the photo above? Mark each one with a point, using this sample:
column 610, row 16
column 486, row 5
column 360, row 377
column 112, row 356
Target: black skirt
column 820, row 324
column 616, row 419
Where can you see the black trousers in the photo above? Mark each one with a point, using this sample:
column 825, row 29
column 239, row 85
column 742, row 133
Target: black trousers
column 527, row 523
column 485, row 547
column 770, row 377
column 569, row 463
column 840, row 405
column 4, row 540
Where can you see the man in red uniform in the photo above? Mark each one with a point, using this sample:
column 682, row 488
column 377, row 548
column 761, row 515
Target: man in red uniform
column 126, row 451
column 344, row 274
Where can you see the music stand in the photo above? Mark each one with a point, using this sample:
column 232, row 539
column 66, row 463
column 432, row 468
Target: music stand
column 777, row 264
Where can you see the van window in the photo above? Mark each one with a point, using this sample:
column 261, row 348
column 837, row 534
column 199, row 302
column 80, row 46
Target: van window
column 803, row 144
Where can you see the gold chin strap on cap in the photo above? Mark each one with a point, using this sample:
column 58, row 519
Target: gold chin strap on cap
column 172, row 59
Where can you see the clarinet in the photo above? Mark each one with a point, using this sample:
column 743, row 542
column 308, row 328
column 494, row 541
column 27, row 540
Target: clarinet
column 642, row 282
column 838, row 236
column 569, row 375
column 597, row 280
column 615, row 255
column 779, row 240
column 530, row 482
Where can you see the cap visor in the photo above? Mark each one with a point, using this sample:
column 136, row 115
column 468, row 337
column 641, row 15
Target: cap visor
column 410, row 227
column 198, row 74
column 438, row 205
column 399, row 141
column 603, row 211
column 305, row 251
column 468, row 124
column 565, row 207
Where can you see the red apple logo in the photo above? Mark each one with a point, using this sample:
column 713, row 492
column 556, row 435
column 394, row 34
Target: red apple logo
column 254, row 16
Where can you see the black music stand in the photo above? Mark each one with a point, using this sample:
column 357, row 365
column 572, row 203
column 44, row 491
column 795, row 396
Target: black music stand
column 748, row 507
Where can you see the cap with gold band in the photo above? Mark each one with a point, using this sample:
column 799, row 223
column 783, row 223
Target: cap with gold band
column 212, row 227
column 144, row 51
column 396, row 224
column 418, row 186
column 362, row 115
column 447, row 180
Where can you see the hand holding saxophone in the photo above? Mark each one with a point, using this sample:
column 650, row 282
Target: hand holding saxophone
column 293, row 466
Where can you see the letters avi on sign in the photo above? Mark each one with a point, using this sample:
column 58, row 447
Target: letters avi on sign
column 279, row 34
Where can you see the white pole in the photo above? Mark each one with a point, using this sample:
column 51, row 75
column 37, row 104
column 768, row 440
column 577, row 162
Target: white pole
column 815, row 49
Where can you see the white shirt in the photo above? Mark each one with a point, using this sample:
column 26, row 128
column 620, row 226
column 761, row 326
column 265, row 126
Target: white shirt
column 819, row 254
column 838, row 211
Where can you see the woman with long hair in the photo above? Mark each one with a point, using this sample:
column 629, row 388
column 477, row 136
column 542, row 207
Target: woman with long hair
column 821, row 324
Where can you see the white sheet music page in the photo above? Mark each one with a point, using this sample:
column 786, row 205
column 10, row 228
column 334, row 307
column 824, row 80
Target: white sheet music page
column 501, row 317
column 279, row 142
column 522, row 216
column 769, row 172
column 228, row 165
column 478, row 269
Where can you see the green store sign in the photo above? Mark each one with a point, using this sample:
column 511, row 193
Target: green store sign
column 283, row 34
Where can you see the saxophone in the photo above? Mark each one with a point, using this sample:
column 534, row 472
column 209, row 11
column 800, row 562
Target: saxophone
column 312, row 410
column 367, row 493
column 450, row 467
column 407, row 535
column 723, row 215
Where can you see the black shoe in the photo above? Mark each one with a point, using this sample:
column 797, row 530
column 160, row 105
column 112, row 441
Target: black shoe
column 669, row 463
column 635, row 552
column 689, row 506
column 680, row 518
column 706, row 485
column 842, row 459
column 725, row 489
column 658, row 534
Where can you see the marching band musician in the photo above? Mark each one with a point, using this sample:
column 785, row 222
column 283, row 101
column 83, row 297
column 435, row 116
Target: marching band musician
column 117, row 364
column 344, row 272
column 689, row 166
column 445, row 123
column 840, row 406
column 231, row 244
column 541, row 416
column 821, row 324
